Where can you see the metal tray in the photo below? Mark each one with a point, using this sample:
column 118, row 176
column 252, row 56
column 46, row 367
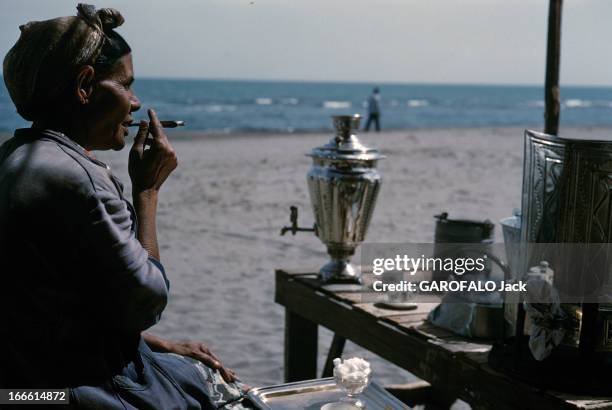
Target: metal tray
column 313, row 394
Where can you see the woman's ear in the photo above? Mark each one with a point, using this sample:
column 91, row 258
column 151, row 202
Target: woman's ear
column 84, row 84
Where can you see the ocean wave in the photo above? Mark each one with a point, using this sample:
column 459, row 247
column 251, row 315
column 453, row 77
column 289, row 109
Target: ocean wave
column 536, row 103
column 602, row 103
column 214, row 108
column 577, row 103
column 264, row 130
column 417, row 103
column 263, row 101
column 572, row 103
column 290, row 101
column 336, row 104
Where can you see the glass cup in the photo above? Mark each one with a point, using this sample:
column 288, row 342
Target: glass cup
column 353, row 386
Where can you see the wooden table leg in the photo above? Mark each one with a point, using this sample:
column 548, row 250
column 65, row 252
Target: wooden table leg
column 335, row 350
column 301, row 339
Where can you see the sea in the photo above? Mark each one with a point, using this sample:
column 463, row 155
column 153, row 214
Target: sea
column 220, row 106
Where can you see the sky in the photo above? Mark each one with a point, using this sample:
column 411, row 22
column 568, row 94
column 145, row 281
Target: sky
column 382, row 41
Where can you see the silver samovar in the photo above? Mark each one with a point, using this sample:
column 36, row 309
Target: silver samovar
column 343, row 184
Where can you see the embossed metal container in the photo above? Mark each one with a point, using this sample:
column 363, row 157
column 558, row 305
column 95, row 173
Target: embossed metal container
column 542, row 169
column 567, row 187
column 343, row 184
column 566, row 199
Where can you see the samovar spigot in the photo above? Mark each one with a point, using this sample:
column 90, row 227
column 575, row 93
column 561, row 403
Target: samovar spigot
column 294, row 228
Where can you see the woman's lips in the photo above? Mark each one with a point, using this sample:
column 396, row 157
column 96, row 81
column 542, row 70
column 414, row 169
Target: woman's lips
column 126, row 124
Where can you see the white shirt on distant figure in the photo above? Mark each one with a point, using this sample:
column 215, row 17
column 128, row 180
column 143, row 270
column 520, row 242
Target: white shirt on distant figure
column 373, row 110
column 374, row 104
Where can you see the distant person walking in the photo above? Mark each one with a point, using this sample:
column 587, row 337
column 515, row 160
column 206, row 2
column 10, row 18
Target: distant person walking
column 374, row 110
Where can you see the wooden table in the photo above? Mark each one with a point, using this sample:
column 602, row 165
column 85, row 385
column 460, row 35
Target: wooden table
column 454, row 365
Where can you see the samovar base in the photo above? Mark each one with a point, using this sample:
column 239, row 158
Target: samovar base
column 340, row 271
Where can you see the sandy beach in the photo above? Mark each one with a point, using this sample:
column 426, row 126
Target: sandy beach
column 221, row 212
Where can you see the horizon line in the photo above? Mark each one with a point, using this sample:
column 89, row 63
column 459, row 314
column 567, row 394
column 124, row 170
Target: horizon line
column 360, row 82
column 364, row 82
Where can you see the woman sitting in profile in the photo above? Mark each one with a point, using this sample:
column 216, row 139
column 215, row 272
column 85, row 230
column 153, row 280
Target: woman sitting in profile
column 82, row 278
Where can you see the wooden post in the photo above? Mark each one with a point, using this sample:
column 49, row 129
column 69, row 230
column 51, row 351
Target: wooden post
column 553, row 60
column 301, row 339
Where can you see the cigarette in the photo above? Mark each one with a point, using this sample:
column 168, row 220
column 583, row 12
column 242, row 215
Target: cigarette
column 164, row 123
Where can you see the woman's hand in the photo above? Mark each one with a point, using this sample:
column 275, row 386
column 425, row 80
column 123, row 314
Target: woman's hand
column 195, row 350
column 201, row 352
column 149, row 168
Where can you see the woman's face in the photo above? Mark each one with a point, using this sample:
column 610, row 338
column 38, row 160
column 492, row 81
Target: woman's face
column 110, row 107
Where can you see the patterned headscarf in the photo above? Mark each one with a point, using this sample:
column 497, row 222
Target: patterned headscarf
column 43, row 61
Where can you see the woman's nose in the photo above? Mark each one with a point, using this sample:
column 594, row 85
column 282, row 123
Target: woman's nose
column 135, row 104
